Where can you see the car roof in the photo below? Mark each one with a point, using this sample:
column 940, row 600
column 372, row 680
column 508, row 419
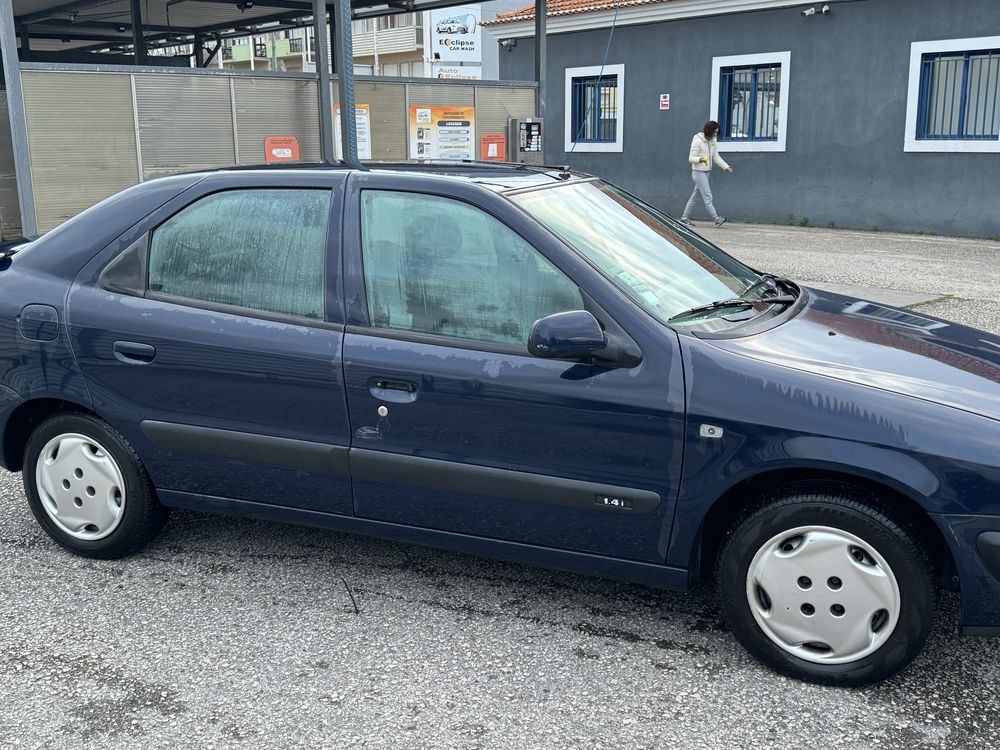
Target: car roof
column 498, row 176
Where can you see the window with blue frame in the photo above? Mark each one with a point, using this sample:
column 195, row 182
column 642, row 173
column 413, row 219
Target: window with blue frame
column 959, row 96
column 749, row 102
column 594, row 109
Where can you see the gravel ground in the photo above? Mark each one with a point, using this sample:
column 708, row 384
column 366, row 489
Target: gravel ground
column 229, row 633
column 963, row 273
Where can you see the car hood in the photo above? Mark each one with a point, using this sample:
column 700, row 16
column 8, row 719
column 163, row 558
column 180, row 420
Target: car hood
column 875, row 345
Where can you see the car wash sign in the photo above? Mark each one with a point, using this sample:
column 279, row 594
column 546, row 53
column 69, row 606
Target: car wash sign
column 455, row 34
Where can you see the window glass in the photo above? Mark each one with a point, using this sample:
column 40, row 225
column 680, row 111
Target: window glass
column 661, row 266
column 960, row 96
column 259, row 249
column 434, row 265
column 595, row 109
column 750, row 101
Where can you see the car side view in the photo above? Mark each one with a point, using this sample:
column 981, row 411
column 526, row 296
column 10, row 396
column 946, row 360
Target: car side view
column 519, row 362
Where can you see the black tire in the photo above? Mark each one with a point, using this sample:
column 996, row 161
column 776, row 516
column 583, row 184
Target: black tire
column 142, row 515
column 858, row 514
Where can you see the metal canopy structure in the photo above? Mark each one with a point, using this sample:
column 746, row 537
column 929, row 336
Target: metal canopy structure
column 122, row 32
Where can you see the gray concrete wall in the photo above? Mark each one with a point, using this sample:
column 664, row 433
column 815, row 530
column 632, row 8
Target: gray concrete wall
column 844, row 162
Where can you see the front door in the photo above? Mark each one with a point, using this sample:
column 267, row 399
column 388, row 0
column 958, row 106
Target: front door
column 222, row 364
column 454, row 425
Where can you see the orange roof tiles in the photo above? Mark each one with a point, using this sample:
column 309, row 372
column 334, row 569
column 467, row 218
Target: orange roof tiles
column 567, row 7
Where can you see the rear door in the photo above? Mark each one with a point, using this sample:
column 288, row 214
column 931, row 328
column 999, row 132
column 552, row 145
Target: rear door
column 211, row 336
column 455, row 426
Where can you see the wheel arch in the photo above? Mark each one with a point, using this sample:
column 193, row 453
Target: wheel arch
column 754, row 490
column 22, row 422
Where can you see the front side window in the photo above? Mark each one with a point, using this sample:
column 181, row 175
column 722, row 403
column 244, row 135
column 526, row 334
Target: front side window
column 959, row 95
column 594, row 108
column 256, row 249
column 750, row 103
column 439, row 266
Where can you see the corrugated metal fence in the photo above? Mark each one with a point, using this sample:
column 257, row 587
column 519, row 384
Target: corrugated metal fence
column 92, row 134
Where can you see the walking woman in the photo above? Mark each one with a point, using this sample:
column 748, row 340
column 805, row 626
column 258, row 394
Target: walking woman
column 704, row 153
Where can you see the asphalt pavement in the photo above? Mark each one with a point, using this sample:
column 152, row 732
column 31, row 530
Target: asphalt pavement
column 229, row 633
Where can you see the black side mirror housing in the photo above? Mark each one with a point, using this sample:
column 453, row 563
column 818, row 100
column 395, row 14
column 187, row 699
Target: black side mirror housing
column 575, row 334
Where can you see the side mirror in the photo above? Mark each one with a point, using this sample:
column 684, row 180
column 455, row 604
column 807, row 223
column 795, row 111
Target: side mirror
column 575, row 334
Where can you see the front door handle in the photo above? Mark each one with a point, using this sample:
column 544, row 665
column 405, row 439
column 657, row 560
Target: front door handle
column 134, row 353
column 393, row 391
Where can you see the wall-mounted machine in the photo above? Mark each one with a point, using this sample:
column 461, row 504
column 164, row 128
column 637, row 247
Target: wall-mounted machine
column 524, row 140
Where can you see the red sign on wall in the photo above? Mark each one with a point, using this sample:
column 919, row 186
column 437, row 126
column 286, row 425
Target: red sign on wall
column 281, row 148
column 493, row 147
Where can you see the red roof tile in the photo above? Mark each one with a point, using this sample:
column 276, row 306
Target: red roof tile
column 567, row 7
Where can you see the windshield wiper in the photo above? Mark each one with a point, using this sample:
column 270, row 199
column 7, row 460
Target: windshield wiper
column 769, row 280
column 734, row 302
column 10, row 247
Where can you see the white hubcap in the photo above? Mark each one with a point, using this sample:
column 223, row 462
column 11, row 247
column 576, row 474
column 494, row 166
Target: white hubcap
column 81, row 487
column 823, row 594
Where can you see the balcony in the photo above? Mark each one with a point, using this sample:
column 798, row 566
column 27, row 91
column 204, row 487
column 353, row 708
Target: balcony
column 390, row 41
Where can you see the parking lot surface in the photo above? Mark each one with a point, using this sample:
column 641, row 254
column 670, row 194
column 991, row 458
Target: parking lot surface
column 229, row 633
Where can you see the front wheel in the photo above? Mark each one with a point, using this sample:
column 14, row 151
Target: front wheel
column 827, row 587
column 87, row 488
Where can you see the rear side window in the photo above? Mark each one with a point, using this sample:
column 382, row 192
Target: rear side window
column 256, row 249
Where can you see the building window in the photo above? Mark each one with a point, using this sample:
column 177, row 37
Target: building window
column 595, row 108
column 954, row 96
column 748, row 109
column 750, row 101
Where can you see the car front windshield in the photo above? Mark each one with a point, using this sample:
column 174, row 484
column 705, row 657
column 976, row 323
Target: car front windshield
column 665, row 268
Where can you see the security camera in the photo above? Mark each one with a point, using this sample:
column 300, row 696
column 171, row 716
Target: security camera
column 508, row 44
column 825, row 10
column 809, row 12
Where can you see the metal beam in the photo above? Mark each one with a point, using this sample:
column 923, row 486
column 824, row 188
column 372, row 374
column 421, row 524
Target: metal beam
column 126, row 28
column 541, row 11
column 82, row 36
column 18, row 126
column 138, row 40
column 25, row 42
column 63, row 10
column 327, row 151
column 344, row 52
column 289, row 4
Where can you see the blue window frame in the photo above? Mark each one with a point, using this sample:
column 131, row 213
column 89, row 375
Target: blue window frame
column 595, row 109
column 749, row 102
column 959, row 96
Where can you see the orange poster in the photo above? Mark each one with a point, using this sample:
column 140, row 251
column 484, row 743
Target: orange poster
column 281, row 148
column 493, row 147
column 442, row 132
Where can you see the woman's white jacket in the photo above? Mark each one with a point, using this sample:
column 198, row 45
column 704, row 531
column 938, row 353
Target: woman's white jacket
column 704, row 153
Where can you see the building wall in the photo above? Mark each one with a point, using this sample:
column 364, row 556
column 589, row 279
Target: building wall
column 844, row 161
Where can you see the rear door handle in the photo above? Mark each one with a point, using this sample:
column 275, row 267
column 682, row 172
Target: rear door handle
column 134, row 353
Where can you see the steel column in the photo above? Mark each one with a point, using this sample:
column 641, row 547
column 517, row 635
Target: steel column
column 541, row 10
column 325, row 94
column 344, row 53
column 138, row 40
column 198, row 44
column 18, row 126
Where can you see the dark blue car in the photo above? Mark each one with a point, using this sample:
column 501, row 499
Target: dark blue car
column 524, row 363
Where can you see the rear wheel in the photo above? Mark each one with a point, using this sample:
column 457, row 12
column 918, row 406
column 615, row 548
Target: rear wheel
column 827, row 587
column 87, row 488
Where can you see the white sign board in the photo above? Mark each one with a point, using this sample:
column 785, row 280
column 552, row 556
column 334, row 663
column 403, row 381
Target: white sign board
column 363, row 120
column 664, row 101
column 457, row 72
column 455, row 34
